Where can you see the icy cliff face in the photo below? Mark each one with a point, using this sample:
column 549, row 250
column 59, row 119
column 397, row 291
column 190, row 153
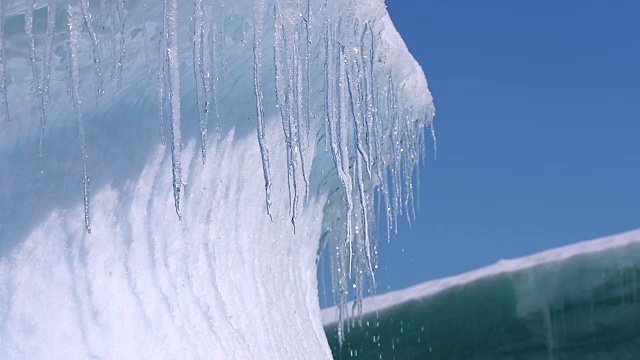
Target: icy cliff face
column 579, row 301
column 168, row 169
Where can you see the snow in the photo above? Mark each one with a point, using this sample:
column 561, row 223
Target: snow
column 146, row 285
column 118, row 240
column 567, row 253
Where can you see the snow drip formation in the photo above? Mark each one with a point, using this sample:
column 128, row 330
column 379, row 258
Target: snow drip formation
column 142, row 219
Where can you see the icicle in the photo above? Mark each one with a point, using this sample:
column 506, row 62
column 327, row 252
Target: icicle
column 102, row 14
column 435, row 141
column 377, row 132
column 418, row 181
column 300, row 115
column 96, row 46
column 359, row 123
column 198, row 65
column 123, row 48
column 334, row 86
column 215, row 47
column 75, row 24
column 30, row 6
column 118, row 65
column 207, row 59
column 28, row 28
column 343, row 147
column 408, row 189
column 384, row 172
column 386, row 191
column 285, row 107
column 293, row 121
column 3, row 66
column 395, row 157
column 145, row 38
column 222, row 42
column 366, row 57
column 46, row 70
column 356, row 110
column 162, row 62
column 359, row 157
column 327, row 89
column 114, row 39
column 279, row 82
column 307, row 67
column 364, row 223
column 171, row 16
column 213, row 69
column 258, row 24
column 292, row 144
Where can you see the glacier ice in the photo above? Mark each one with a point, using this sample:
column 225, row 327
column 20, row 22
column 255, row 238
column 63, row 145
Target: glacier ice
column 581, row 301
column 196, row 239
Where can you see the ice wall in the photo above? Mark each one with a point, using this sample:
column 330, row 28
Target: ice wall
column 579, row 301
column 169, row 168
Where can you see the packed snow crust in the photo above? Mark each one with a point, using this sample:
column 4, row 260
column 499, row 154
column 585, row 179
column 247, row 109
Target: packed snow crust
column 169, row 168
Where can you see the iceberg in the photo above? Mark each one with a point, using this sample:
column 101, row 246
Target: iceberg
column 170, row 171
column 580, row 301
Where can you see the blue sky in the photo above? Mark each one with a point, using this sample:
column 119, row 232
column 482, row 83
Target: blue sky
column 538, row 124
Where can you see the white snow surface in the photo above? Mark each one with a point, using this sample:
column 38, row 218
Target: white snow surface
column 130, row 114
column 424, row 290
column 146, row 285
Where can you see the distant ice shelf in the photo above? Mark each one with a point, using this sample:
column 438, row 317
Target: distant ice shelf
column 580, row 301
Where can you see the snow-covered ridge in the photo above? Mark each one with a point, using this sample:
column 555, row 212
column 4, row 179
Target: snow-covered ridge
column 557, row 255
column 300, row 109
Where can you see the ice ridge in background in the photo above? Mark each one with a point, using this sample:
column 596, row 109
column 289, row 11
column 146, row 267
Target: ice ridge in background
column 580, row 301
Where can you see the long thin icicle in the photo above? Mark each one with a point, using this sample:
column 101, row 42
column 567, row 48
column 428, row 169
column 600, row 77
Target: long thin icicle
column 171, row 15
column 307, row 68
column 28, row 28
column 123, row 48
column 95, row 52
column 114, row 36
column 145, row 38
column 75, row 25
column 117, row 8
column 162, row 62
column 366, row 94
column 293, row 121
column 30, row 6
column 343, row 147
column 285, row 106
column 258, row 28
column 299, row 100
column 52, row 7
column 336, row 104
column 212, row 61
column 102, row 14
column 371, row 104
column 199, row 70
column 359, row 157
column 3, row 67
column 207, row 59
column 359, row 123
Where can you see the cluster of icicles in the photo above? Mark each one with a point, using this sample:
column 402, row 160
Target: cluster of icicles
column 376, row 143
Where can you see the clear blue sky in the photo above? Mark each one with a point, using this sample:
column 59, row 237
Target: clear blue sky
column 538, row 124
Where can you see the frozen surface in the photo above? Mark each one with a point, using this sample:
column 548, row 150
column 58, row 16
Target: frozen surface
column 170, row 170
column 581, row 301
